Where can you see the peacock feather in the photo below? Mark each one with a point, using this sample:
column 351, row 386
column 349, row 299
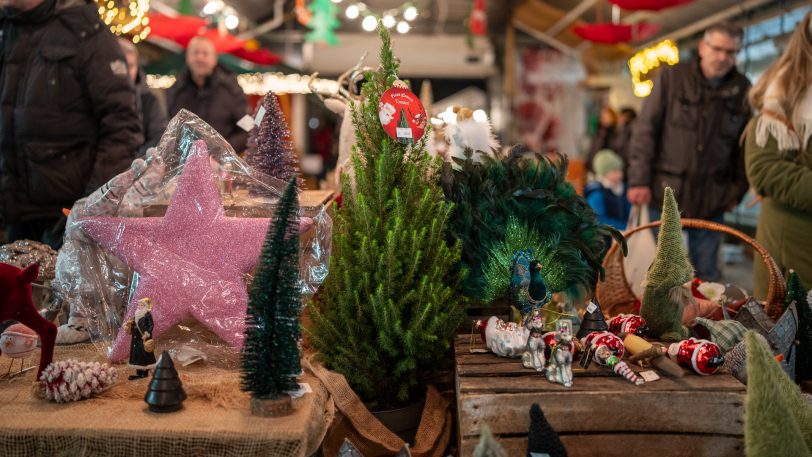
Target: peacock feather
column 519, row 202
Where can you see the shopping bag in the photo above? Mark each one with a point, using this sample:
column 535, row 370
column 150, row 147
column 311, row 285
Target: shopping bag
column 642, row 247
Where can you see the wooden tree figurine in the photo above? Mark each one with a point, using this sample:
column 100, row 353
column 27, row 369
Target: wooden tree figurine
column 165, row 393
column 271, row 355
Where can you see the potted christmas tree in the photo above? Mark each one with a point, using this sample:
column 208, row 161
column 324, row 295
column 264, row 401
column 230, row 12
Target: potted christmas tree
column 270, row 360
column 386, row 315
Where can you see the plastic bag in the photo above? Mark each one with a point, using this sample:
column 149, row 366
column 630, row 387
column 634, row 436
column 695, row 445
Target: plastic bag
column 642, row 247
column 99, row 285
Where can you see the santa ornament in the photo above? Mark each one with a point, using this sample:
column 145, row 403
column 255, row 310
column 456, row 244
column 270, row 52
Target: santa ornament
column 402, row 115
column 505, row 339
column 628, row 323
column 597, row 339
column 702, row 356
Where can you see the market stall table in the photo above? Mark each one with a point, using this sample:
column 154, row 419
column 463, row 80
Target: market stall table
column 602, row 413
column 215, row 420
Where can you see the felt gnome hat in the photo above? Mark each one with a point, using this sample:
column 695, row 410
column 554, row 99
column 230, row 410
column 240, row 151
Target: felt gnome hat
column 671, row 266
column 542, row 438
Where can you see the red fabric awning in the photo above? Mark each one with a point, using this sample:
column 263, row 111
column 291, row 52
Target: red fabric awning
column 607, row 33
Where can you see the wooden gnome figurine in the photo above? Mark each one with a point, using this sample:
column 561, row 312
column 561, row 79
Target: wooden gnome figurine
column 668, row 278
column 533, row 357
column 142, row 345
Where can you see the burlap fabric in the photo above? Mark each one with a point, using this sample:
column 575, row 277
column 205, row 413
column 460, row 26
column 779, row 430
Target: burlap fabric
column 353, row 421
column 215, row 419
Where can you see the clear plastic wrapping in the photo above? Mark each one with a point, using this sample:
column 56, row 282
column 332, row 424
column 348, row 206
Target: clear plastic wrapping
column 184, row 226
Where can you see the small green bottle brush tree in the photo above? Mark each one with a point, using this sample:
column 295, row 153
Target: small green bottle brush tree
column 387, row 313
column 270, row 361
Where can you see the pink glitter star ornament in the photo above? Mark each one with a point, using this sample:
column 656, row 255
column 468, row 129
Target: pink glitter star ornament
column 191, row 261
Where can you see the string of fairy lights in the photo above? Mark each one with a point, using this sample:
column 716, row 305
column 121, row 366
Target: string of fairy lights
column 399, row 18
column 126, row 17
column 647, row 60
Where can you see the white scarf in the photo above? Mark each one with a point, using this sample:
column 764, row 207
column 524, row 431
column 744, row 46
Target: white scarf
column 770, row 126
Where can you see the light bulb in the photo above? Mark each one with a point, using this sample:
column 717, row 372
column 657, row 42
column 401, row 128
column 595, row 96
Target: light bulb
column 403, row 27
column 352, row 12
column 232, row 22
column 369, row 23
column 211, row 7
column 388, row 21
column 410, row 14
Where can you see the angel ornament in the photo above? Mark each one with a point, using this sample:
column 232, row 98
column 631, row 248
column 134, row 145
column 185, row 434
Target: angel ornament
column 533, row 357
column 142, row 345
column 560, row 368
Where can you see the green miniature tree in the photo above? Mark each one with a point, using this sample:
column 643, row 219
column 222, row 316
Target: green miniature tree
column 270, row 361
column 323, row 22
column 387, row 312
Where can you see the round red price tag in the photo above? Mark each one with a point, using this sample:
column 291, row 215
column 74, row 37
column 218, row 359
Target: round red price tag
column 402, row 115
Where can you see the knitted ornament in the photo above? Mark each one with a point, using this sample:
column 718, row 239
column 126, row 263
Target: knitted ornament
column 726, row 334
column 665, row 297
column 18, row 341
column 542, row 439
column 777, row 420
column 71, row 380
column 605, row 161
column 736, row 361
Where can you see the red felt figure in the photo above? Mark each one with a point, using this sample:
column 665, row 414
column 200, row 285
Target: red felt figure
column 16, row 303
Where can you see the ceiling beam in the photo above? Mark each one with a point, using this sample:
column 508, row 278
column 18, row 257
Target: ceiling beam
column 568, row 18
column 545, row 38
column 702, row 24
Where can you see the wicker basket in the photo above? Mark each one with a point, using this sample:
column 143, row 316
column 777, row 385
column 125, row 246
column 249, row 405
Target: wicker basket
column 616, row 296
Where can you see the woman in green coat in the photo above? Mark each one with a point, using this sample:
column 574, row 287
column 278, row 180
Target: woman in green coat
column 778, row 158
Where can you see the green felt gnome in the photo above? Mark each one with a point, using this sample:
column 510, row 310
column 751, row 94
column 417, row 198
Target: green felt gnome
column 667, row 291
column 777, row 420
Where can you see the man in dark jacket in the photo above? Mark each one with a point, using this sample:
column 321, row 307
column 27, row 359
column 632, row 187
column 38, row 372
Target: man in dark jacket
column 68, row 119
column 687, row 138
column 149, row 108
column 211, row 92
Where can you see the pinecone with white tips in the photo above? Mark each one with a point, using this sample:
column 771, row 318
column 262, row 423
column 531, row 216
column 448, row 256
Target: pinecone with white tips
column 71, row 380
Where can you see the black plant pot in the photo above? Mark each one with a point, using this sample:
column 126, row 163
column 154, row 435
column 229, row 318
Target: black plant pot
column 403, row 422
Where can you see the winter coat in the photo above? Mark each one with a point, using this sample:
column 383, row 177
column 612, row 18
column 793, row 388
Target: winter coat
column 68, row 108
column 611, row 209
column 784, row 179
column 687, row 138
column 221, row 102
column 152, row 114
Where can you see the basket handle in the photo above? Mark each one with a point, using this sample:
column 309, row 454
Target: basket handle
column 776, row 289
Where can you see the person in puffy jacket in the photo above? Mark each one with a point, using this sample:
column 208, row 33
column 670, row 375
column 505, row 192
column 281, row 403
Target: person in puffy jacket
column 68, row 112
column 211, row 92
column 150, row 110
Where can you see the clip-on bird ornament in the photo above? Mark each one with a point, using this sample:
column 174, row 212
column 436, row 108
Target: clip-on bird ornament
column 528, row 290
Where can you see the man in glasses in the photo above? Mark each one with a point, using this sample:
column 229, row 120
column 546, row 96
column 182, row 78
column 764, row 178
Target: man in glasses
column 687, row 138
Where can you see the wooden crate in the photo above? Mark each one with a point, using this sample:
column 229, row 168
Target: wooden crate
column 601, row 414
